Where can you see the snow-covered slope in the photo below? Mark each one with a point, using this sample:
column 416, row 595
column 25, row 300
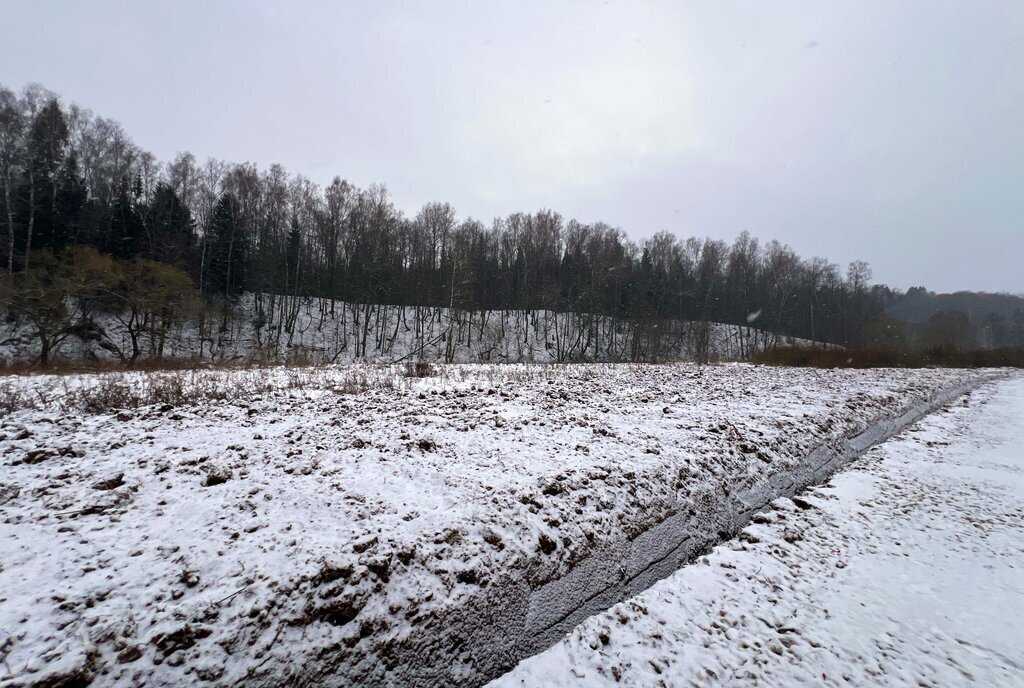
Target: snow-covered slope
column 321, row 331
column 905, row 570
column 430, row 532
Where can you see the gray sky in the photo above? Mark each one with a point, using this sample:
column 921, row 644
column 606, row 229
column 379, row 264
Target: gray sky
column 889, row 131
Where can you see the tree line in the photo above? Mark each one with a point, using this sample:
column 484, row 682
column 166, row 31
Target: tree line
column 77, row 191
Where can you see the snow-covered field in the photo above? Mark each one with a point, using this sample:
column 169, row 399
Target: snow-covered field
column 906, row 569
column 405, row 531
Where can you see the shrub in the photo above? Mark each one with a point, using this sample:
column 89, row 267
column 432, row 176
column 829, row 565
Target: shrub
column 420, row 369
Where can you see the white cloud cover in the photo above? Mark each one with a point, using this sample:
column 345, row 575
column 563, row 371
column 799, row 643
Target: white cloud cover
column 876, row 130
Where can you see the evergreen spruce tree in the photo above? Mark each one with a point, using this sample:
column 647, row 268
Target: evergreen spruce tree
column 225, row 250
column 170, row 229
column 71, row 198
column 47, row 145
column 126, row 228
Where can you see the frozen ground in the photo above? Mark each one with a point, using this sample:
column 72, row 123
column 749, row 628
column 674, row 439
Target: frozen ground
column 906, row 569
column 415, row 532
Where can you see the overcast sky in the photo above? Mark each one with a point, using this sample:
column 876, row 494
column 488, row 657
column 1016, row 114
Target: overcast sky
column 888, row 131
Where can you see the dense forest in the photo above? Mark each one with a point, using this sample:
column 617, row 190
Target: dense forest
column 91, row 222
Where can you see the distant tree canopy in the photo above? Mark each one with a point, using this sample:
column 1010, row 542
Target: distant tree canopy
column 71, row 179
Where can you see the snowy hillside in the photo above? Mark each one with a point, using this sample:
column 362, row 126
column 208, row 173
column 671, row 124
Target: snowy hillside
column 324, row 331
